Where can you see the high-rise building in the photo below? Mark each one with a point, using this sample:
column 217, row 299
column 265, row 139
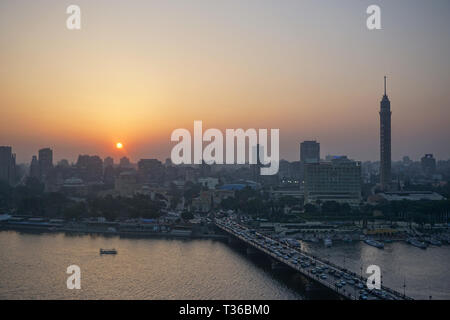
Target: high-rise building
column 108, row 162
column 90, row 168
column 63, row 163
column 385, row 141
column 407, row 161
column 34, row 168
column 45, row 162
column 109, row 175
column 124, row 162
column 309, row 152
column 428, row 163
column 126, row 183
column 7, row 165
column 150, row 170
column 257, row 160
column 336, row 180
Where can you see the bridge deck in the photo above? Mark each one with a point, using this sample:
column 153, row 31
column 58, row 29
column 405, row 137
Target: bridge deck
column 347, row 290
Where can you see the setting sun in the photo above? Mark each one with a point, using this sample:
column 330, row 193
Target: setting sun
column 119, row 145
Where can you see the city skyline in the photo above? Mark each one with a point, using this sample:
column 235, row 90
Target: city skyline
column 307, row 148
column 137, row 71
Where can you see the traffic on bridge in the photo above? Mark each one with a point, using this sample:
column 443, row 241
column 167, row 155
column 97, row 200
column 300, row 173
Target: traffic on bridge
column 345, row 283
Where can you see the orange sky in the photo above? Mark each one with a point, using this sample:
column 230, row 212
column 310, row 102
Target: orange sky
column 138, row 70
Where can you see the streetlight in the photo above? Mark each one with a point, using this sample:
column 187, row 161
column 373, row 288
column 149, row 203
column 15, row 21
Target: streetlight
column 404, row 287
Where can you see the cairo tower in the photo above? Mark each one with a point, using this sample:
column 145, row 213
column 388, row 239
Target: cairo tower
column 385, row 141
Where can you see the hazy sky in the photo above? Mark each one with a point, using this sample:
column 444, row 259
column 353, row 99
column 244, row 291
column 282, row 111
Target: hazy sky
column 137, row 70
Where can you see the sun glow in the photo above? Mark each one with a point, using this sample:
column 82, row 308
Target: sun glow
column 119, row 145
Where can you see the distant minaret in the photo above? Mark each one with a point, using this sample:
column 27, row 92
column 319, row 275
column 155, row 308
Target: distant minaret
column 385, row 141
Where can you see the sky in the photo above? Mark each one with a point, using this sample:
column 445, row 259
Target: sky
column 137, row 70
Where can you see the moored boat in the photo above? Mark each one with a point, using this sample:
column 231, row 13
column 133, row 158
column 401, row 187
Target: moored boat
column 347, row 238
column 434, row 242
column 108, row 251
column 374, row 243
column 416, row 243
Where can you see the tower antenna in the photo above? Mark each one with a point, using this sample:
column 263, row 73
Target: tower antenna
column 384, row 85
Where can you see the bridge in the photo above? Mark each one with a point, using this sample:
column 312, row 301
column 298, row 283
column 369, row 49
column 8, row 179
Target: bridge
column 343, row 282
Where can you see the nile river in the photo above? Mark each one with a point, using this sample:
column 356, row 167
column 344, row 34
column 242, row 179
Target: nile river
column 33, row 266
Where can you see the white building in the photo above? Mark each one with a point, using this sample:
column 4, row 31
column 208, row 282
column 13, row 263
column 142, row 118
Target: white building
column 336, row 180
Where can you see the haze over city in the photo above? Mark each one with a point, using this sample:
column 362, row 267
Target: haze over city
column 233, row 157
column 137, row 70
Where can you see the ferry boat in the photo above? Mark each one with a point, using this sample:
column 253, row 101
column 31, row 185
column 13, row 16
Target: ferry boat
column 416, row 243
column 374, row 243
column 108, row 251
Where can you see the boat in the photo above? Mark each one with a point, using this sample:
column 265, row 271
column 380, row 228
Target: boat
column 295, row 243
column 327, row 242
column 108, row 251
column 416, row 243
column 374, row 243
column 347, row 238
column 434, row 242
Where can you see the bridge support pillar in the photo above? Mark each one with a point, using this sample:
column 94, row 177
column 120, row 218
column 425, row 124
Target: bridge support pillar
column 233, row 240
column 277, row 265
column 251, row 251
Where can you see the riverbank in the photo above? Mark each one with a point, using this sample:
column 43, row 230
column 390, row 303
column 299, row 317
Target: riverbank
column 132, row 234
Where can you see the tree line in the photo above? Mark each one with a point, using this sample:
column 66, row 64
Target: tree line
column 31, row 200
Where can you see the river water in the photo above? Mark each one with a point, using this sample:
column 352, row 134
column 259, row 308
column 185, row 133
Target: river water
column 33, row 266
